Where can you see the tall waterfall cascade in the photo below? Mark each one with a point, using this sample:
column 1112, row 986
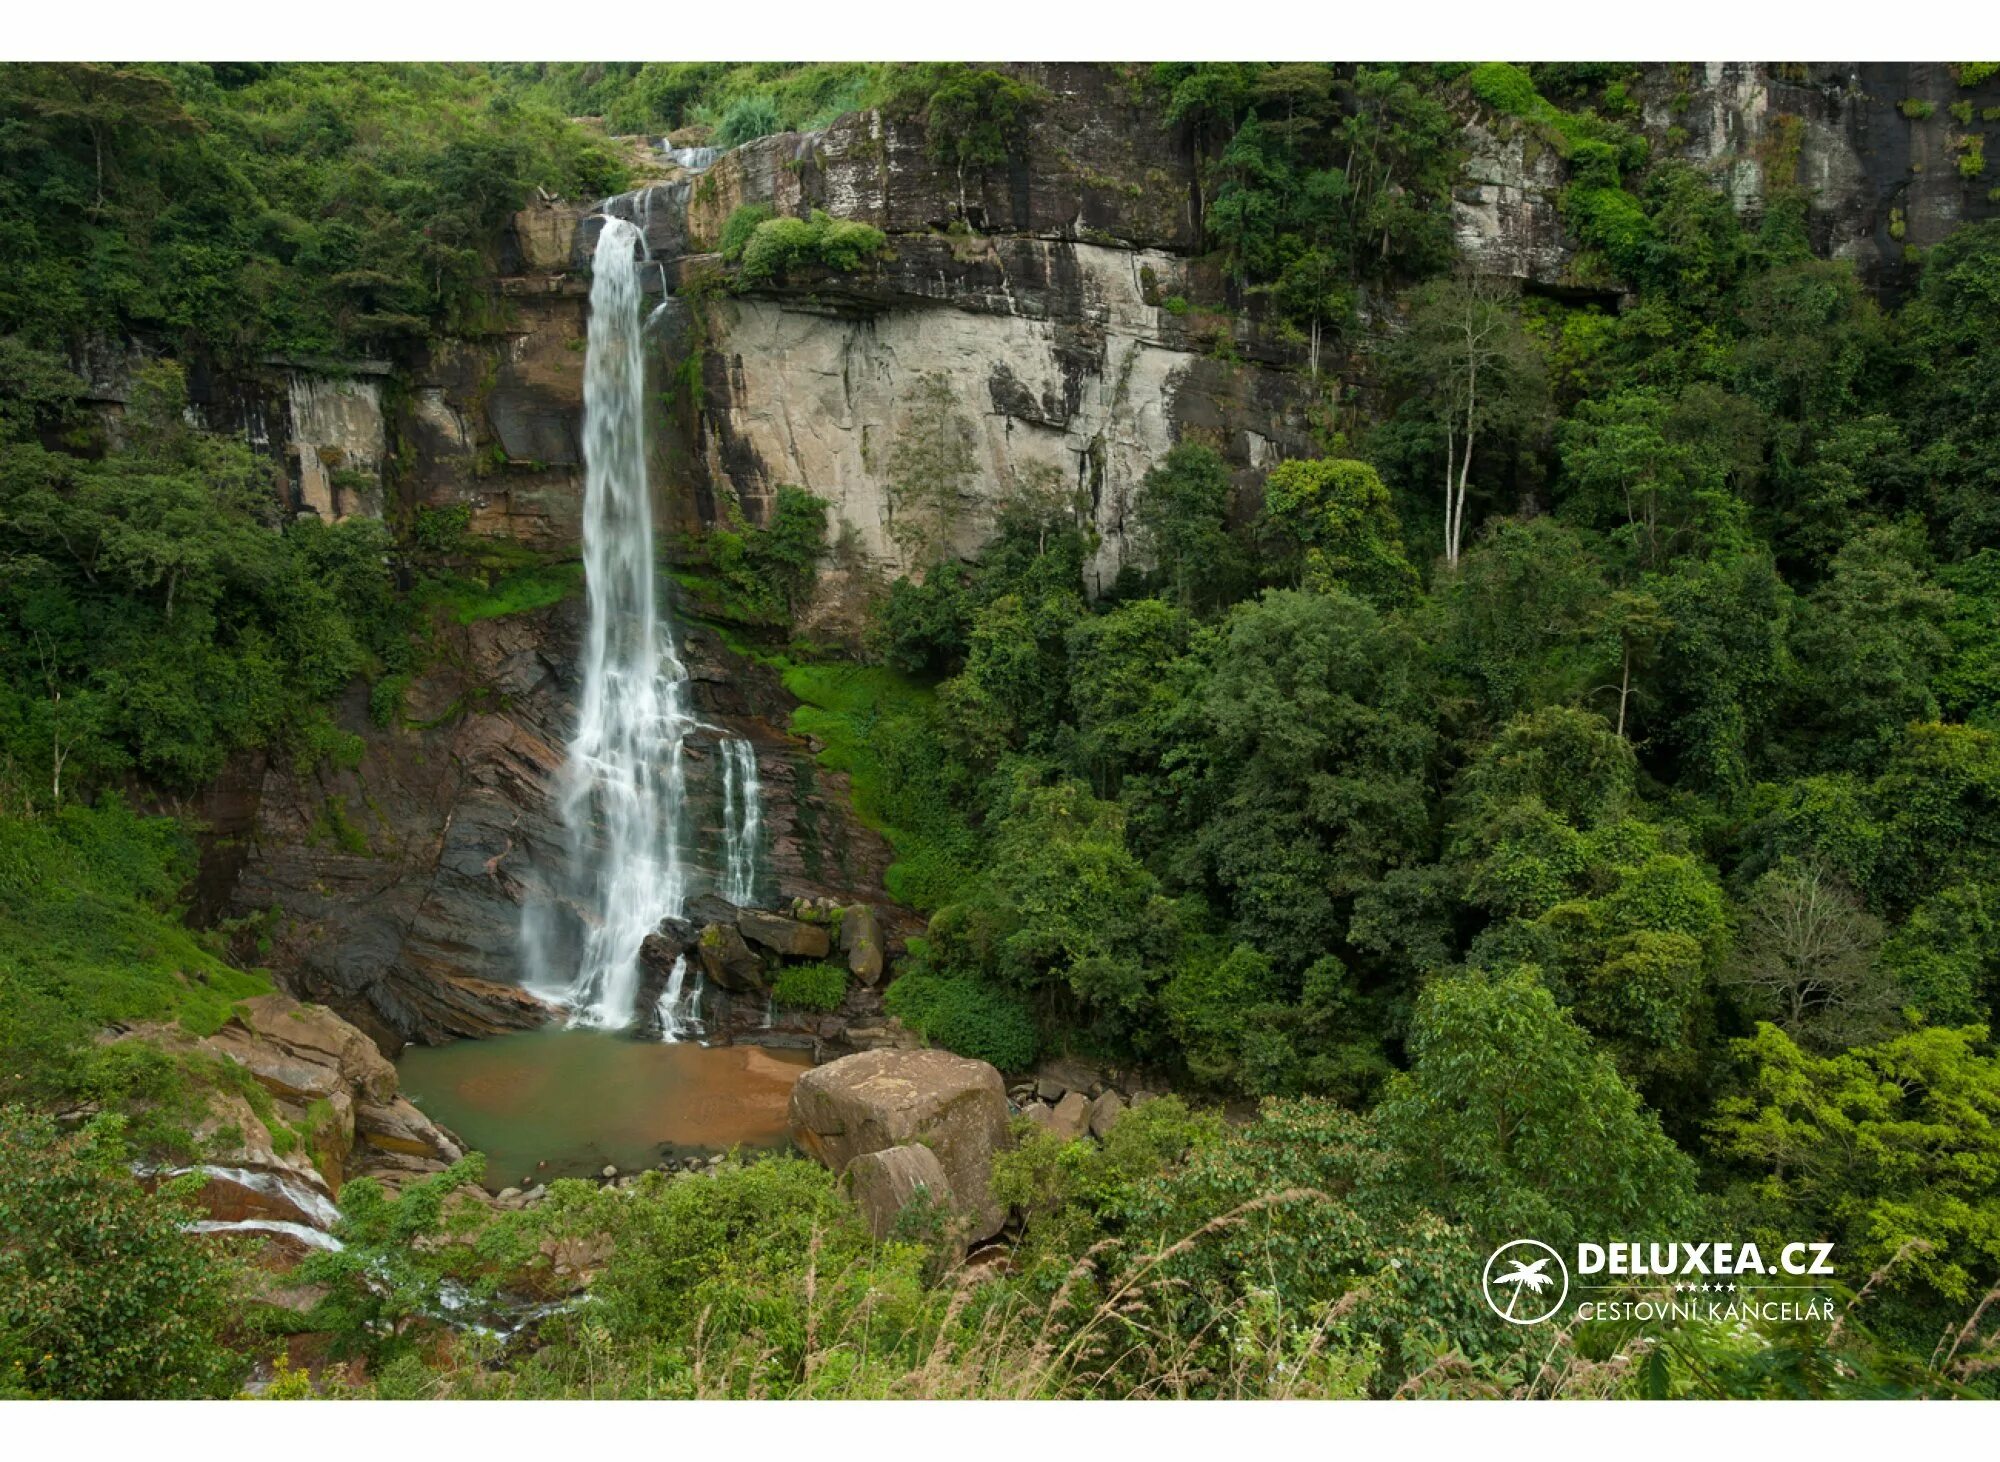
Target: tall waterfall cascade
column 625, row 792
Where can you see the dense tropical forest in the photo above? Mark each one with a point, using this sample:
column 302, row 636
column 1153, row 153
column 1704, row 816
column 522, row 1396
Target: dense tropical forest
column 1567, row 804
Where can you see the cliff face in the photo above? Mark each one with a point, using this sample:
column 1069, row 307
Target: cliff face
column 1874, row 146
column 1050, row 295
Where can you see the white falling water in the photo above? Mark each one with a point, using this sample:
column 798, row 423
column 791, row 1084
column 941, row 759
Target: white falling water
column 622, row 803
column 742, row 820
column 680, row 1004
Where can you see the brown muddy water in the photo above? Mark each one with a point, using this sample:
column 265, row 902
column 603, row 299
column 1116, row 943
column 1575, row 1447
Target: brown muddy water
column 576, row 1100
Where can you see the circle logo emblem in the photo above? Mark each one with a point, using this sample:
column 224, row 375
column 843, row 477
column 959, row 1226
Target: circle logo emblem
column 1525, row 1282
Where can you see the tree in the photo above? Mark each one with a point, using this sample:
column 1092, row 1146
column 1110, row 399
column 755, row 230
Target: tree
column 1520, row 625
column 1313, row 741
column 1808, row 959
column 1333, row 525
column 1868, row 643
column 1660, row 473
column 1510, row 1120
column 1879, row 1146
column 103, row 1293
column 1182, row 513
column 1477, row 374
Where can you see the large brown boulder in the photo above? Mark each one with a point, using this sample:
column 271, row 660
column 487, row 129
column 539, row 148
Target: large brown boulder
column 303, row 1052
column 876, row 1100
column 791, row 938
column 861, row 942
column 885, row 1183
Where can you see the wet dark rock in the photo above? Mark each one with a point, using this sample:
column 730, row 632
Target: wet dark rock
column 729, row 962
column 789, row 938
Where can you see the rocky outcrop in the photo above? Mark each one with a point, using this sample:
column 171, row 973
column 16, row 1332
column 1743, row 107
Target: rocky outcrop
column 877, row 1100
column 884, row 1184
column 786, row 938
column 1874, row 147
column 861, row 942
column 333, row 1114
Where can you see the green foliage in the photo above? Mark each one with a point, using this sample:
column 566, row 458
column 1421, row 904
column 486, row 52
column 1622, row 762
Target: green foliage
column 397, row 1266
column 1305, row 769
column 743, row 222
column 103, row 1295
column 777, row 245
column 876, row 726
column 1334, row 521
column 154, row 621
column 973, row 116
column 762, row 576
column 1890, row 1147
column 90, row 937
column 1512, row 1121
column 746, row 119
column 307, row 208
column 818, row 986
column 1183, row 521
column 967, row 1015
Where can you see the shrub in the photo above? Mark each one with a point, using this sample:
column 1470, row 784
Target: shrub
column 102, row 1295
column 748, row 118
column 820, row 986
column 967, row 1016
column 743, row 223
column 778, row 244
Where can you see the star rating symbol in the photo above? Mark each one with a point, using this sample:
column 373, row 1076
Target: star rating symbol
column 1705, row 1288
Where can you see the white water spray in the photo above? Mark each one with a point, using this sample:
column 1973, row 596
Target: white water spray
column 626, row 783
column 742, row 820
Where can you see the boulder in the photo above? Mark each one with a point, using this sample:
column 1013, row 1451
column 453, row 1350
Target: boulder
column 303, row 1052
column 395, row 1126
column 884, row 1183
column 1059, row 1074
column 729, row 962
column 861, row 942
column 789, row 938
column 1071, row 1118
column 876, row 1100
column 1104, row 1114
column 1038, row 1112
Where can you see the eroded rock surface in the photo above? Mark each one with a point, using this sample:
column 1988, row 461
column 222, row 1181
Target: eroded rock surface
column 876, row 1100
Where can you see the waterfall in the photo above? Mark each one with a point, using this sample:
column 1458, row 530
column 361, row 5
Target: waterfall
column 742, row 820
column 680, row 1008
column 625, row 780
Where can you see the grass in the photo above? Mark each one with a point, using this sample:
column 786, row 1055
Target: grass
column 469, row 600
column 87, row 913
column 91, row 939
column 874, row 723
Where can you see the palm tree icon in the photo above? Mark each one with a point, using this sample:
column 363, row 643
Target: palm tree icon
column 1524, row 1276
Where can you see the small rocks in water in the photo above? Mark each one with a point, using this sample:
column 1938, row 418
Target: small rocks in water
column 508, row 1195
column 610, row 1171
